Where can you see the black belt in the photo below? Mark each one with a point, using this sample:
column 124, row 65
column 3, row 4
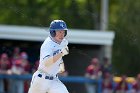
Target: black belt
column 46, row 77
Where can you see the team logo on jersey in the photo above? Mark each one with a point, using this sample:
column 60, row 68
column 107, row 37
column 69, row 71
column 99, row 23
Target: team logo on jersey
column 56, row 52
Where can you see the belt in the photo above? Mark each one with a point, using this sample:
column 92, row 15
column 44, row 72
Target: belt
column 46, row 77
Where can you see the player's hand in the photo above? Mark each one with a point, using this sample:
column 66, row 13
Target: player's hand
column 65, row 51
column 64, row 44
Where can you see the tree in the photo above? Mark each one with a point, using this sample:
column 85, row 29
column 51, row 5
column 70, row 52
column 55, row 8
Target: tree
column 77, row 13
column 126, row 49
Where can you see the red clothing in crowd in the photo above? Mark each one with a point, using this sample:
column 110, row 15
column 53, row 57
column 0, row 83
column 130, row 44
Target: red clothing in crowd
column 136, row 85
column 107, row 86
column 4, row 63
column 91, row 69
column 122, row 86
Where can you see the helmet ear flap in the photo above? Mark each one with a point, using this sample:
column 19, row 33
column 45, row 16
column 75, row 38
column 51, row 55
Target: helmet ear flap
column 52, row 33
column 65, row 32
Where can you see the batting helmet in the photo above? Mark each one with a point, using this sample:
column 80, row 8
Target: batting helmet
column 57, row 25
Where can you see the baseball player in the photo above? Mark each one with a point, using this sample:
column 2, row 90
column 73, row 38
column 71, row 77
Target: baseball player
column 45, row 79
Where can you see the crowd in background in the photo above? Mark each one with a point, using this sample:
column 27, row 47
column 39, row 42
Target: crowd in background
column 103, row 71
column 18, row 64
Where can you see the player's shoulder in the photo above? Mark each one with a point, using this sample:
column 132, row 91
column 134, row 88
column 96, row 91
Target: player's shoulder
column 65, row 41
column 48, row 42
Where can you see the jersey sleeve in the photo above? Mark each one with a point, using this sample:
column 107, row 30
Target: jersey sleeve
column 46, row 51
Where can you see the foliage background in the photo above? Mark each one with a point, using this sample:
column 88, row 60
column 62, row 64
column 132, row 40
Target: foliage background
column 124, row 19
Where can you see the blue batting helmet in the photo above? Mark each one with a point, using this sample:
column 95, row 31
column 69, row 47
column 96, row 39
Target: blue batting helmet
column 57, row 25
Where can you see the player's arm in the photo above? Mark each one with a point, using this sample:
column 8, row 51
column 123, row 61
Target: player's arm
column 50, row 60
column 47, row 51
column 62, row 68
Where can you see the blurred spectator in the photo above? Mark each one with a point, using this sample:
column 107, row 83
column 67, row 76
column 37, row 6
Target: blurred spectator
column 15, row 55
column 136, row 85
column 122, row 86
column 4, row 68
column 15, row 58
column 17, row 85
column 106, row 66
column 35, row 66
column 93, row 71
column 20, row 66
column 25, row 63
column 4, row 64
column 107, row 85
column 26, row 69
column 17, row 67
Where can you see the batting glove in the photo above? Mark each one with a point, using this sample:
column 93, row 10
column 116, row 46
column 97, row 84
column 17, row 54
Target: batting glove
column 65, row 51
column 64, row 43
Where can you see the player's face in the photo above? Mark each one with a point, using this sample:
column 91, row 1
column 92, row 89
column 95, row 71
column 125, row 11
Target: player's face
column 59, row 35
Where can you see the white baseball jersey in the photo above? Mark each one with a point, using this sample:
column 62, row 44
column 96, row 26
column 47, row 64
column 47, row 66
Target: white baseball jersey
column 41, row 83
column 48, row 49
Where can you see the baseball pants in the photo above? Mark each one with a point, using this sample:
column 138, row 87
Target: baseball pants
column 39, row 84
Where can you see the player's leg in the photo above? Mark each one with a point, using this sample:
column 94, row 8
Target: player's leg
column 37, row 85
column 35, row 90
column 58, row 87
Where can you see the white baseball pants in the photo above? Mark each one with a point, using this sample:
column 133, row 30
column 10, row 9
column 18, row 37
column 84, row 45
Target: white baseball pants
column 42, row 85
